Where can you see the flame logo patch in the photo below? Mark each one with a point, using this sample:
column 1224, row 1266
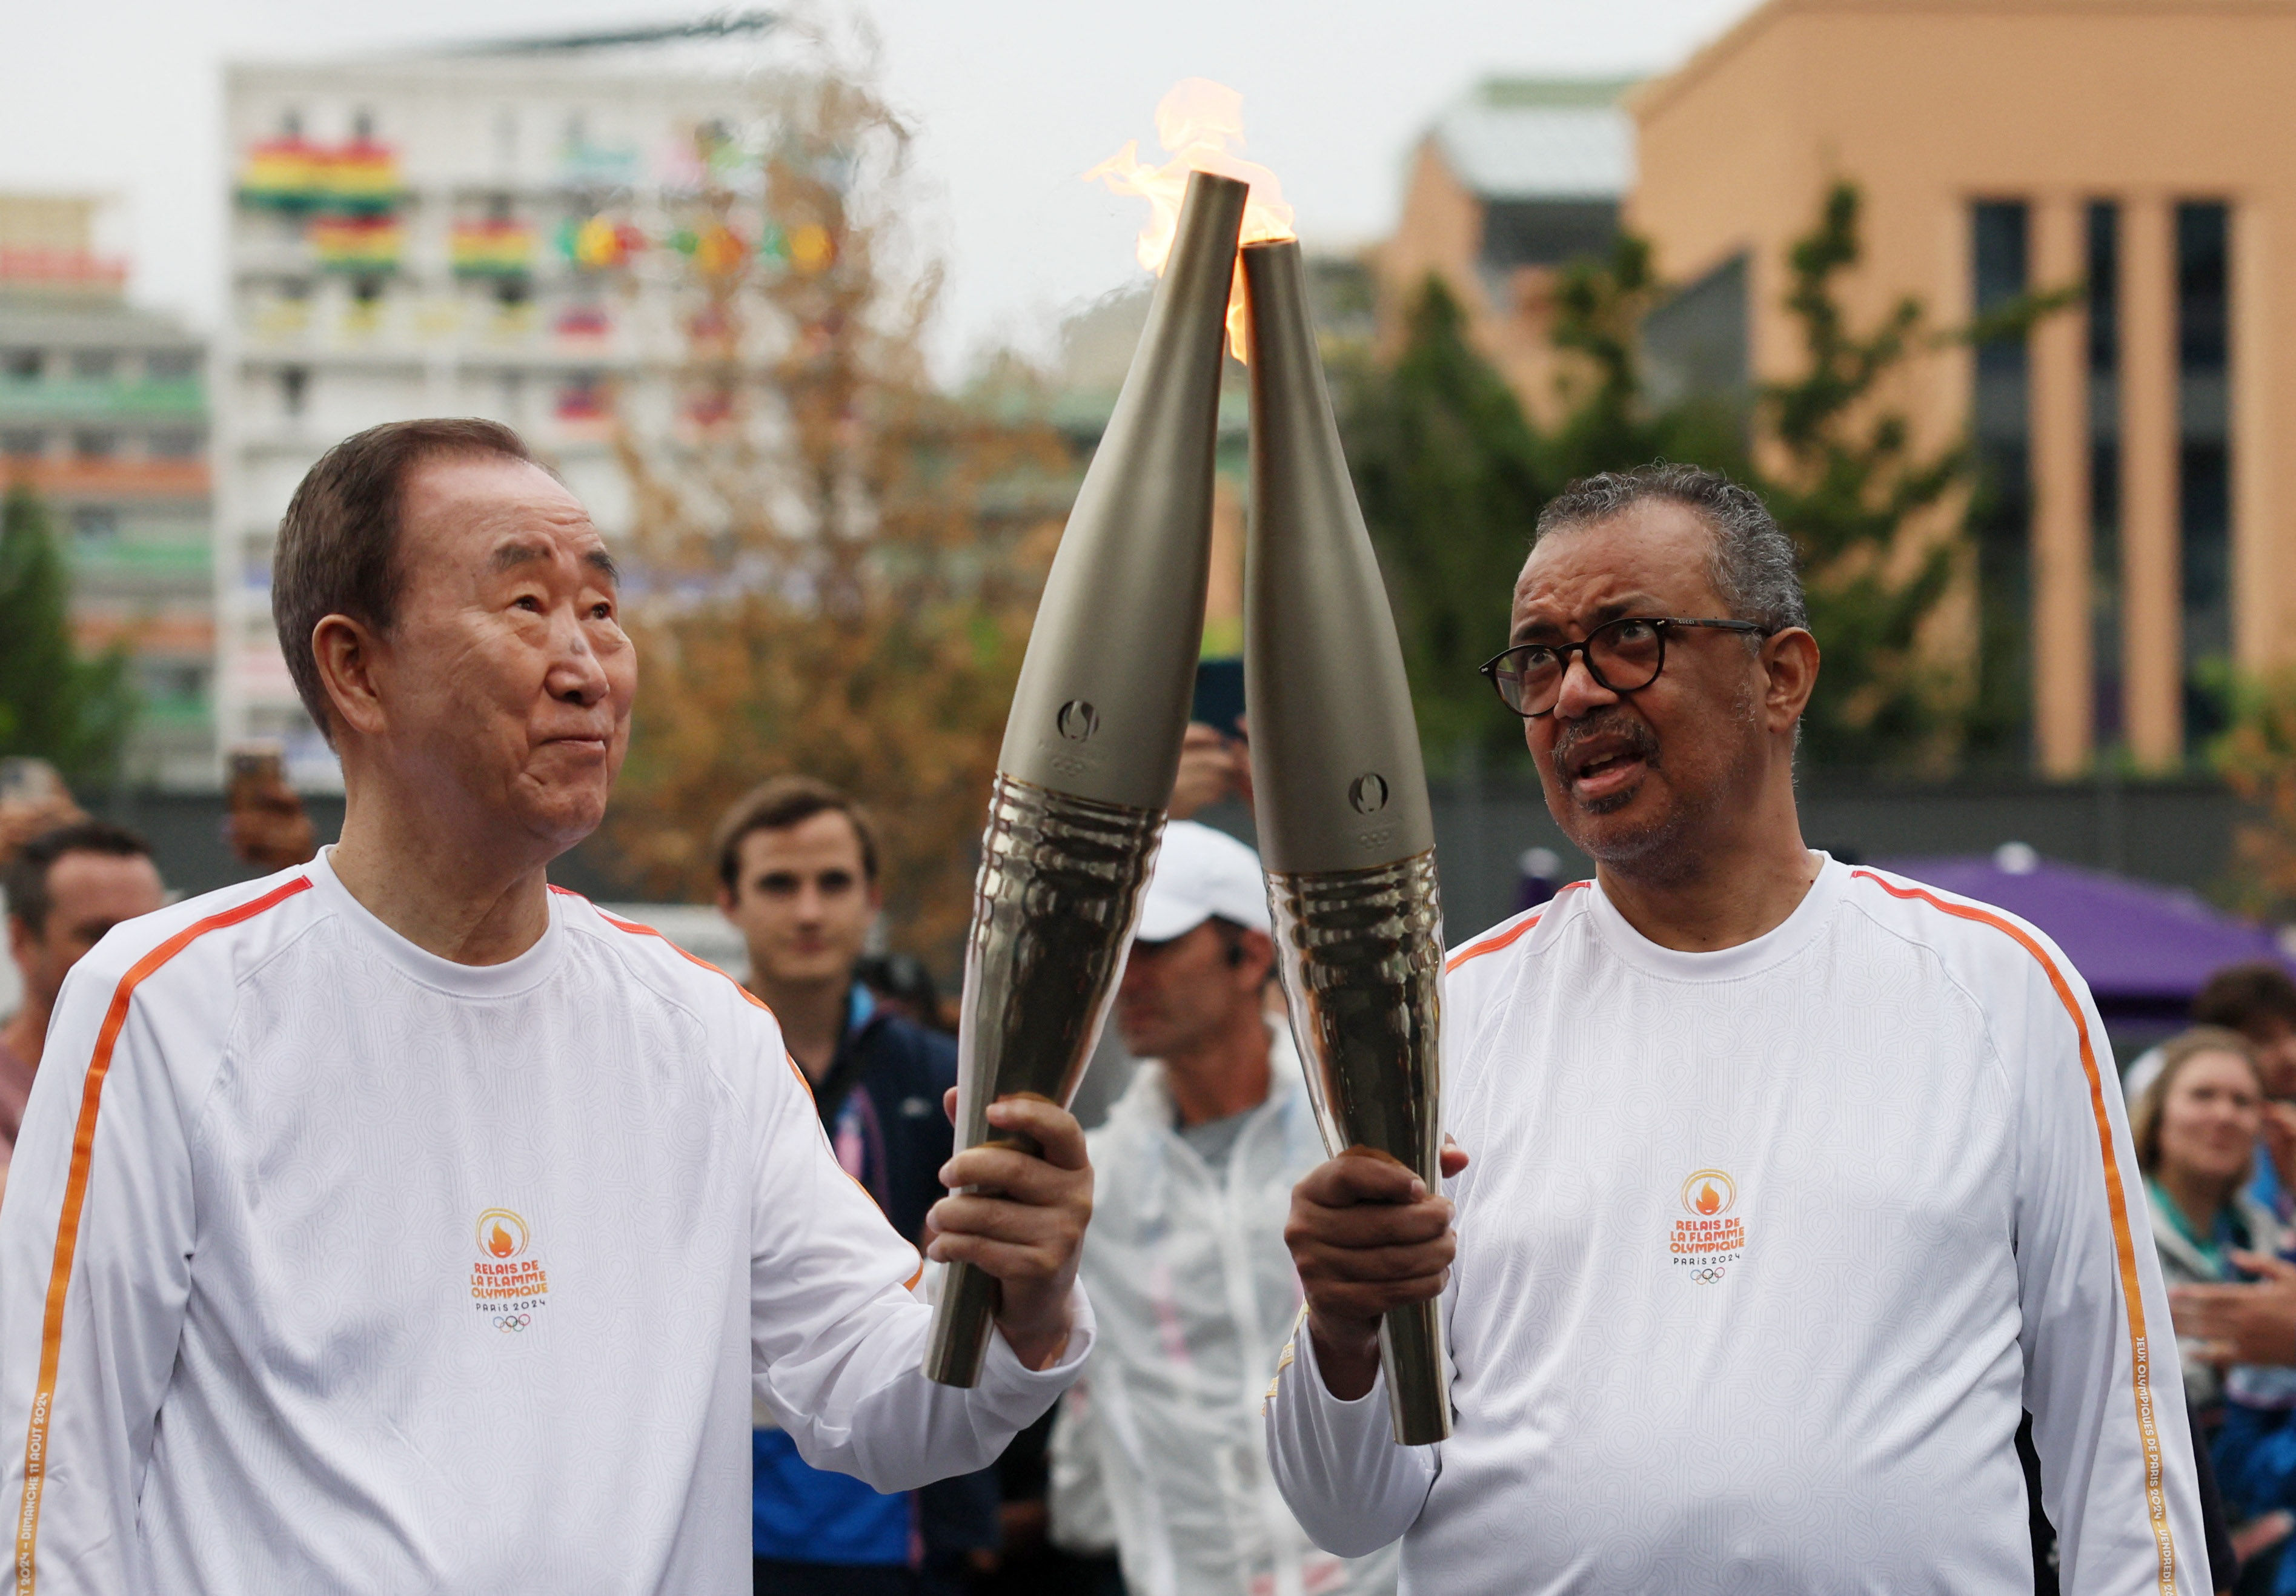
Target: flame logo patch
column 502, row 1234
column 1713, row 1238
column 508, row 1283
column 1708, row 1193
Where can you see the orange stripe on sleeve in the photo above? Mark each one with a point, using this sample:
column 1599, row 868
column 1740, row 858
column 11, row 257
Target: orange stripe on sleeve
column 1506, row 938
column 632, row 927
column 2148, row 1431
column 51, row 1330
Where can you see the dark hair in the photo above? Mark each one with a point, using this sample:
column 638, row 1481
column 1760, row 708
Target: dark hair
column 2178, row 1051
column 338, row 550
column 778, row 805
column 2240, row 995
column 26, row 878
column 1754, row 568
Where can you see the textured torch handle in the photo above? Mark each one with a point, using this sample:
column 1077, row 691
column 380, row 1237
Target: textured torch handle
column 1361, row 954
column 1052, row 912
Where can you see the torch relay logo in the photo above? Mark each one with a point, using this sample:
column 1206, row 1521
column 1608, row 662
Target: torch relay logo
column 1713, row 1236
column 507, row 1285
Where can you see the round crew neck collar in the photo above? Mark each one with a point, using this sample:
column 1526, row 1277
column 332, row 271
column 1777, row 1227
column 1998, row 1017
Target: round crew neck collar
column 1780, row 942
column 466, row 980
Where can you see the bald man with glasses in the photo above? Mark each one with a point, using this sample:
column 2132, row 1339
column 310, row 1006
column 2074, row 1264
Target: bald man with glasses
column 1794, row 1185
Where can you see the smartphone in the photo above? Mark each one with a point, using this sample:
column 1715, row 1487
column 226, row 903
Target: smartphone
column 1219, row 695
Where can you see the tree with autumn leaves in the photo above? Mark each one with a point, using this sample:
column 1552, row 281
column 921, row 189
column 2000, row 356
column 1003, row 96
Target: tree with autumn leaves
column 835, row 563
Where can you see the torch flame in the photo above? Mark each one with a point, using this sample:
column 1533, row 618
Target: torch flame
column 1200, row 126
column 1708, row 1199
column 502, row 1244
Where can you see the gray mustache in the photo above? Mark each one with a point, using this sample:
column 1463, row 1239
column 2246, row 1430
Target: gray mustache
column 1637, row 736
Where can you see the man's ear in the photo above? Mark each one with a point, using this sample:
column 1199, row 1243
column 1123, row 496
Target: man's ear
column 1790, row 660
column 727, row 901
column 346, row 653
column 20, row 940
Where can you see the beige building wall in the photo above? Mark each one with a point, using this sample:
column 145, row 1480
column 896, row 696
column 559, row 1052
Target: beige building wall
column 1930, row 105
column 1441, row 234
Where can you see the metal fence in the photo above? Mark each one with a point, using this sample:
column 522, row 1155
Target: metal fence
column 2179, row 833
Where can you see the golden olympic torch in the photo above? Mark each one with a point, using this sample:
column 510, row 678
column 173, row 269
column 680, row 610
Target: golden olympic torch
column 1093, row 741
column 1346, row 837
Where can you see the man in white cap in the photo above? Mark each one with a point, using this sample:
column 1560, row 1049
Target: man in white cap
column 1185, row 1263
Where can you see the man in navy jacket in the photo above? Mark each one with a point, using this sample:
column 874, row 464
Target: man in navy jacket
column 798, row 875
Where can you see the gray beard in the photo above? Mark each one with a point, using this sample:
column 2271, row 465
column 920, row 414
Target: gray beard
column 1669, row 851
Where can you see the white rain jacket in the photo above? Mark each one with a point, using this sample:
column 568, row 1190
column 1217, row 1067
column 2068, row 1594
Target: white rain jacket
column 1194, row 1295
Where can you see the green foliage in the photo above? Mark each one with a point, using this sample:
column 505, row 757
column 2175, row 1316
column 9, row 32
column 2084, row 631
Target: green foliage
column 1452, row 477
column 74, row 713
column 1851, row 486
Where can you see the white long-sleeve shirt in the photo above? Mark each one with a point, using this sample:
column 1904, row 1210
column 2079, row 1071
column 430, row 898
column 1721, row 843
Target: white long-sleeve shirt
column 1195, row 1292
column 1761, row 1254
column 327, row 1264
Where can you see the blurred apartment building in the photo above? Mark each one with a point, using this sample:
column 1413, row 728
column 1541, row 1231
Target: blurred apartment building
column 103, row 413
column 489, row 231
column 2137, row 540
column 1521, row 176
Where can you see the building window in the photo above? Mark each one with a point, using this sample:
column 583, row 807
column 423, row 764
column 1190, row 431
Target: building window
column 2104, row 276
column 2204, row 461
column 22, row 445
column 22, row 365
column 95, row 523
column 95, row 365
column 94, row 443
column 1696, row 344
column 294, row 386
column 171, row 365
column 1544, row 232
column 2001, row 513
column 176, row 443
column 173, row 682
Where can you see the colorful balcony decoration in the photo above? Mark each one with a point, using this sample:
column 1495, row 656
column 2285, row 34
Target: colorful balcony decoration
column 599, row 243
column 586, row 165
column 811, row 249
column 582, row 399
column 361, row 177
column 291, row 173
column 584, row 323
column 716, row 249
column 494, row 248
column 584, row 407
column 282, row 173
column 362, row 246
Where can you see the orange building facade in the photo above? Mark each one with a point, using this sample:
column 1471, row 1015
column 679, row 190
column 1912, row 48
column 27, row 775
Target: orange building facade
column 2142, row 540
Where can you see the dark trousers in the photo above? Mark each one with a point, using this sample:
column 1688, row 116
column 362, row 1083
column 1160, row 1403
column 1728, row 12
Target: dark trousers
column 778, row 1578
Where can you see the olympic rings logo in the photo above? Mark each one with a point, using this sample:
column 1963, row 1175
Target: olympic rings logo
column 513, row 1321
column 1707, row 1277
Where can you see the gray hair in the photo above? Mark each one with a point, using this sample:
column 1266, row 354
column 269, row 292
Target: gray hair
column 1754, row 561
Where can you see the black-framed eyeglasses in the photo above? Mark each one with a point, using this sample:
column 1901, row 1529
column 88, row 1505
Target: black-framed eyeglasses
column 1623, row 656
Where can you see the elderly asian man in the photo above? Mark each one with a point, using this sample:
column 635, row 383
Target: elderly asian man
column 399, row 1223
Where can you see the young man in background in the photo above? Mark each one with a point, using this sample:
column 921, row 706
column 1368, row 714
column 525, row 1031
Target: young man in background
column 65, row 887
column 798, row 876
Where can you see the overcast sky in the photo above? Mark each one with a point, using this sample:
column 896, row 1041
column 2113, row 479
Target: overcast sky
column 1012, row 99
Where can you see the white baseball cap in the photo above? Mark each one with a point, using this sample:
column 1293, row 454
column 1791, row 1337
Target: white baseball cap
column 1201, row 872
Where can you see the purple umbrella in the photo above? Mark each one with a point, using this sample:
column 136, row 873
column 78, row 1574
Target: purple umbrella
column 2144, row 948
